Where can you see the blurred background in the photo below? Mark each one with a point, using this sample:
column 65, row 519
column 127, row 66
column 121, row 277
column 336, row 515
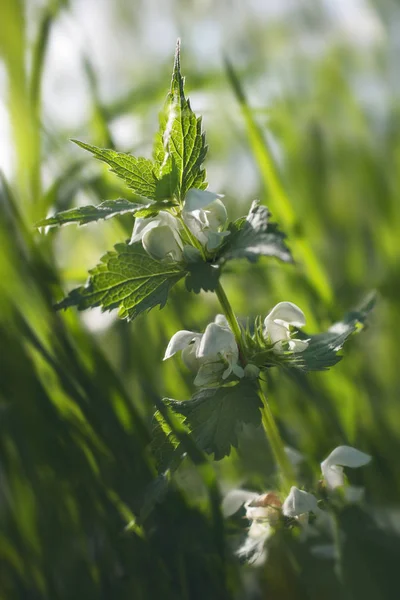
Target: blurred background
column 301, row 106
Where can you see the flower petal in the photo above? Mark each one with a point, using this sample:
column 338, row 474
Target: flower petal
column 299, row 502
column 222, row 321
column 342, row 456
column 196, row 199
column 160, row 242
column 179, row 341
column 141, row 226
column 217, row 340
column 298, row 345
column 214, row 239
column 276, row 332
column 288, row 313
column 209, row 373
column 234, row 500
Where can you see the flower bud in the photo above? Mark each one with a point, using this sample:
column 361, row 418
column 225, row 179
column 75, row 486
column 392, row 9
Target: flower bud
column 160, row 242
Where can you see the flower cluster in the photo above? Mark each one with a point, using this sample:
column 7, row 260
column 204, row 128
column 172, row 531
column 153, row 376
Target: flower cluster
column 203, row 214
column 214, row 355
column 263, row 511
column 277, row 327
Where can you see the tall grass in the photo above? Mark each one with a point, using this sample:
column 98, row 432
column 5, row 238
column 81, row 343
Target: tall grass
column 76, row 399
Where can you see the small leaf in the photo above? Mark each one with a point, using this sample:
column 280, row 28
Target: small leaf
column 216, row 416
column 137, row 173
column 253, row 237
column 181, row 136
column 128, row 279
column 86, row 214
column 202, row 276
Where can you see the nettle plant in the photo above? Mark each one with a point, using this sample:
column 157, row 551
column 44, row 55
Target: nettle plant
column 182, row 232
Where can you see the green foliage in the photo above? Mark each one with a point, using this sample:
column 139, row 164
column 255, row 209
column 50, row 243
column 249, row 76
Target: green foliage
column 87, row 214
column 215, row 416
column 181, row 136
column 127, row 278
column 255, row 236
column 74, row 463
column 322, row 350
column 202, row 275
column 137, row 173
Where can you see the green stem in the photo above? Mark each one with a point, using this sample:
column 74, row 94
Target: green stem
column 268, row 420
column 277, row 446
column 231, row 318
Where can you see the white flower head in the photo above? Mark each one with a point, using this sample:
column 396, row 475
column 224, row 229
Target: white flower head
column 214, row 354
column 299, row 502
column 234, row 499
column 342, row 456
column 159, row 235
column 188, row 343
column 263, row 511
column 277, row 327
column 205, row 215
column 258, row 506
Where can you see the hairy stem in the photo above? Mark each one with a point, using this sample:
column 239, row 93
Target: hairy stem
column 277, row 446
column 231, row 318
column 268, row 420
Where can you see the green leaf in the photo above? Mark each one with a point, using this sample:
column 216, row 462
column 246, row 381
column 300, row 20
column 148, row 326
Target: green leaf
column 180, row 136
column 86, row 214
column 167, row 178
column 216, row 416
column 165, row 447
column 202, row 276
column 137, row 173
column 253, row 237
column 128, row 279
column 323, row 348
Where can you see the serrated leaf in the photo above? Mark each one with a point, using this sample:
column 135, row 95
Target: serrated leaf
column 128, row 279
column 87, row 214
column 167, row 179
column 181, row 136
column 255, row 236
column 216, row 416
column 323, row 348
column 137, row 173
column 202, row 276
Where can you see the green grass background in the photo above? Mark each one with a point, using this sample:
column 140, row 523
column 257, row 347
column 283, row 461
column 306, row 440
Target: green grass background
column 309, row 123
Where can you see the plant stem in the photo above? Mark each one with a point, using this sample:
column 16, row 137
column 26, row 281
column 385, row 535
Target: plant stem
column 277, row 446
column 268, row 420
column 231, row 318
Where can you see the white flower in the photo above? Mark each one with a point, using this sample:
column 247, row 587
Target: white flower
column 342, row 456
column 159, row 235
column 235, row 499
column 214, row 354
column 253, row 548
column 299, row 502
column 205, row 215
column 277, row 327
column 263, row 511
